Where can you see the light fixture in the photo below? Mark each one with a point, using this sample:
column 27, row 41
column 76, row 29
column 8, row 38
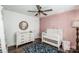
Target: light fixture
column 76, row 24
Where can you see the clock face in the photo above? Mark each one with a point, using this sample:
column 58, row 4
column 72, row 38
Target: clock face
column 23, row 25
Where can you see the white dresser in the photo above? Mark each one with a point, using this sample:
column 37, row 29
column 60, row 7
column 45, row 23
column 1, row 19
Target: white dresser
column 24, row 37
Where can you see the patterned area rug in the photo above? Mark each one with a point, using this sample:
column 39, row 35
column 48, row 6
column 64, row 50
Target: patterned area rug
column 40, row 47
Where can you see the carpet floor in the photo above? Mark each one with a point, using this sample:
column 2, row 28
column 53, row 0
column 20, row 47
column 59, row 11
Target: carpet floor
column 40, row 47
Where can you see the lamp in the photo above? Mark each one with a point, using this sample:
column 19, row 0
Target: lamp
column 76, row 25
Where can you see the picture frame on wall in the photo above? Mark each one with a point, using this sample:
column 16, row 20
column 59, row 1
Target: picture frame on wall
column 23, row 25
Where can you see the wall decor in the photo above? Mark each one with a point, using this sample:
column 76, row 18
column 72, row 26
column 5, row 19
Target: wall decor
column 23, row 25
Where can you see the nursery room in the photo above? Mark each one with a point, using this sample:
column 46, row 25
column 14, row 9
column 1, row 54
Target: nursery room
column 39, row 28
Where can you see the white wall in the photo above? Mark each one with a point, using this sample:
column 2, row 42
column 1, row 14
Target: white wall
column 11, row 20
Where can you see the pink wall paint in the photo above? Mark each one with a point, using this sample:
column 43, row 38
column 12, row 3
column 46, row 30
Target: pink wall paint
column 63, row 21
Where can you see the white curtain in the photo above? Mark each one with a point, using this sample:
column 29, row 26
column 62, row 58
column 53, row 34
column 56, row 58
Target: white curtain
column 2, row 37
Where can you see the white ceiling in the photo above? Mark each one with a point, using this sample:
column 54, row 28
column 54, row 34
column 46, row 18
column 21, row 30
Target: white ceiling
column 24, row 8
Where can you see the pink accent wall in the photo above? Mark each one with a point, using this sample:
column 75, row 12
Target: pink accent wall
column 63, row 21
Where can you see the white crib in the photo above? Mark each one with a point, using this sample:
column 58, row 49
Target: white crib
column 53, row 37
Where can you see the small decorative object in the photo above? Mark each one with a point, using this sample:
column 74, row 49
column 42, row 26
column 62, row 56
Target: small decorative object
column 66, row 45
column 30, row 31
column 23, row 25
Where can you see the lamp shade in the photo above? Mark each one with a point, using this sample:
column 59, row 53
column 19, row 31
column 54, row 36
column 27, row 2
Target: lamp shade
column 75, row 23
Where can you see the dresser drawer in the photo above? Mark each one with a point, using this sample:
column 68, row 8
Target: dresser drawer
column 31, row 39
column 24, row 37
column 20, row 42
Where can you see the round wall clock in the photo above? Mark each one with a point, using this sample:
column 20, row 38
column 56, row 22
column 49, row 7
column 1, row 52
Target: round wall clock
column 23, row 25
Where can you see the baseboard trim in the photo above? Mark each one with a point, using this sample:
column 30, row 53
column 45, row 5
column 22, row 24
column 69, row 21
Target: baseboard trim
column 14, row 46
